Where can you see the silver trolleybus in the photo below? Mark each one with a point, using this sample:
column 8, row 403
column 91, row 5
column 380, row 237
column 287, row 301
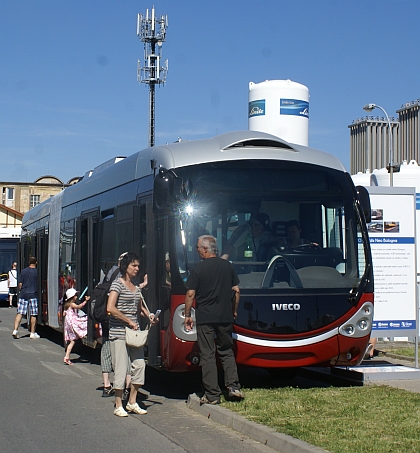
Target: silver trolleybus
column 301, row 305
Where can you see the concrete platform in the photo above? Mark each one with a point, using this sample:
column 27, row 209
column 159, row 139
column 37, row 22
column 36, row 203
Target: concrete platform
column 377, row 370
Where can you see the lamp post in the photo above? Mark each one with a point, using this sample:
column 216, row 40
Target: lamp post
column 369, row 108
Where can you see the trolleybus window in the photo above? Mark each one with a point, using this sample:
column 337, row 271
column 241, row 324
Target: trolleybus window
column 224, row 201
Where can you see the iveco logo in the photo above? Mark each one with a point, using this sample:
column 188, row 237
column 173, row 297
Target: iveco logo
column 256, row 111
column 284, row 307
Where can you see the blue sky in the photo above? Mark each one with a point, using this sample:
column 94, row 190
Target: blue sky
column 70, row 100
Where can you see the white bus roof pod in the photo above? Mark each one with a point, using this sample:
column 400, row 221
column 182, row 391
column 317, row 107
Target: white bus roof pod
column 237, row 145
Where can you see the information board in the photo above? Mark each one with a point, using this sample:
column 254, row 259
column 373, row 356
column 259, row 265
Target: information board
column 392, row 234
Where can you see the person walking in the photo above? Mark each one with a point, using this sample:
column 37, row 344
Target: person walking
column 12, row 284
column 211, row 283
column 28, row 298
column 75, row 326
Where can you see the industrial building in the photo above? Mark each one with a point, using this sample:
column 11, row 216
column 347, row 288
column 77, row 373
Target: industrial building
column 370, row 141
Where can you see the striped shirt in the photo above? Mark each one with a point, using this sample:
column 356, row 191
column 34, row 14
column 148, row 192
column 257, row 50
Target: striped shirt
column 128, row 304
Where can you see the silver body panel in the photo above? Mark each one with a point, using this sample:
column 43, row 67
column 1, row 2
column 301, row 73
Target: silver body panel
column 181, row 154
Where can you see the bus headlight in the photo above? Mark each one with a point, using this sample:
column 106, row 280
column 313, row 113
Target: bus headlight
column 368, row 308
column 349, row 329
column 360, row 323
column 363, row 324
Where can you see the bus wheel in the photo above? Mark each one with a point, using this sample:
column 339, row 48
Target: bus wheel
column 283, row 373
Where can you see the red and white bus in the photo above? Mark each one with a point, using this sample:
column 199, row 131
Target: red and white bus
column 302, row 306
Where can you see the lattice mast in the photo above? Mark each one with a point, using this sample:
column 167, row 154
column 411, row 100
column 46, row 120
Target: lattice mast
column 152, row 31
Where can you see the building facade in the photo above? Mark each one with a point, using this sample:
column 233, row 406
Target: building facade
column 369, row 139
column 23, row 196
column 408, row 116
column 369, row 143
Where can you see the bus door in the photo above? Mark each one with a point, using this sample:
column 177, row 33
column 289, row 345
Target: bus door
column 41, row 254
column 145, row 245
column 87, row 263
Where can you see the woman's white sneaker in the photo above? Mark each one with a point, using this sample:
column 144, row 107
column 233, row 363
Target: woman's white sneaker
column 135, row 408
column 120, row 412
column 34, row 336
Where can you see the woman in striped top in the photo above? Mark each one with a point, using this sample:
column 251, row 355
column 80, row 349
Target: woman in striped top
column 124, row 306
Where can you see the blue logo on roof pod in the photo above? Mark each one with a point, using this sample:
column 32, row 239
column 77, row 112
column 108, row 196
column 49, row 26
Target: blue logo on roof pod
column 256, row 108
column 294, row 107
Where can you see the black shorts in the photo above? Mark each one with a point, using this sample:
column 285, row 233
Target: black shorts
column 12, row 291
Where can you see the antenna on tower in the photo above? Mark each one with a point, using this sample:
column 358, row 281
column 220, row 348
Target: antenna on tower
column 152, row 31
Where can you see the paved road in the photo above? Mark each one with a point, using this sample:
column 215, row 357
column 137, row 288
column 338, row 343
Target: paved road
column 49, row 407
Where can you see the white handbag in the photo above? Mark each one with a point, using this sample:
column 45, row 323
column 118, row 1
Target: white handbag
column 137, row 338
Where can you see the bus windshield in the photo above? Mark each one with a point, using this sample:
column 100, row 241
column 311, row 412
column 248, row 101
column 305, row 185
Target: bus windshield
column 283, row 225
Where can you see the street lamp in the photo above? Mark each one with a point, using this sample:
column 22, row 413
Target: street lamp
column 369, row 108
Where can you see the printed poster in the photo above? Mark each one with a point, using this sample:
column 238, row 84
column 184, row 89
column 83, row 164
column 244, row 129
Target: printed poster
column 393, row 244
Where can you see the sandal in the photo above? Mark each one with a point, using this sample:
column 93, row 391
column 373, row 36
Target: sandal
column 67, row 361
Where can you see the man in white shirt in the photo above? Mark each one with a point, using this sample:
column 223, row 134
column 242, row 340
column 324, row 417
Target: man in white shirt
column 12, row 283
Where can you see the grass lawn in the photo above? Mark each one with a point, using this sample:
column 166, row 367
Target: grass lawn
column 373, row 418
column 403, row 349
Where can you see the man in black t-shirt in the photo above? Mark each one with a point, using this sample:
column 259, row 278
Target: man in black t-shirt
column 211, row 283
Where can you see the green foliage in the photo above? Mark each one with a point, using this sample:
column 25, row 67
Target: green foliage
column 371, row 419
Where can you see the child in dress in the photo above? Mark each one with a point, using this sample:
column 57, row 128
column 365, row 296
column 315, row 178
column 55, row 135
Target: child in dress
column 75, row 326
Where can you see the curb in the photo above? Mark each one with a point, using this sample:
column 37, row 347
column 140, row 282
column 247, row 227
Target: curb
column 266, row 436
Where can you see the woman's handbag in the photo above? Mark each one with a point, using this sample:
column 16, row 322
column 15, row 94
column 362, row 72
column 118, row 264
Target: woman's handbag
column 137, row 338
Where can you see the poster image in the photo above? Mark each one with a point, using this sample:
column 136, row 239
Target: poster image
column 377, row 214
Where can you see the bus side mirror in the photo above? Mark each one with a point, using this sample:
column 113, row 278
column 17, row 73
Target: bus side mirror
column 364, row 199
column 167, row 191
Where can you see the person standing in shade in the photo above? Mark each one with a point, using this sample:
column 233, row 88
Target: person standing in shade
column 125, row 305
column 12, row 283
column 28, row 298
column 106, row 358
column 212, row 282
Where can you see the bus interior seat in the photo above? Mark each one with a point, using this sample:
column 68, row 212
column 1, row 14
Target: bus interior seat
column 336, row 255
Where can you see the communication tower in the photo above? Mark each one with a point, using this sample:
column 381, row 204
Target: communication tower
column 152, row 31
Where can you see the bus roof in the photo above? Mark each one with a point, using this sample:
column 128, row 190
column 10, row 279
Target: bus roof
column 238, row 145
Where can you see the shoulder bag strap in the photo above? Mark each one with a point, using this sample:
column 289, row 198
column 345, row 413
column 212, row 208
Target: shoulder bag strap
column 144, row 303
